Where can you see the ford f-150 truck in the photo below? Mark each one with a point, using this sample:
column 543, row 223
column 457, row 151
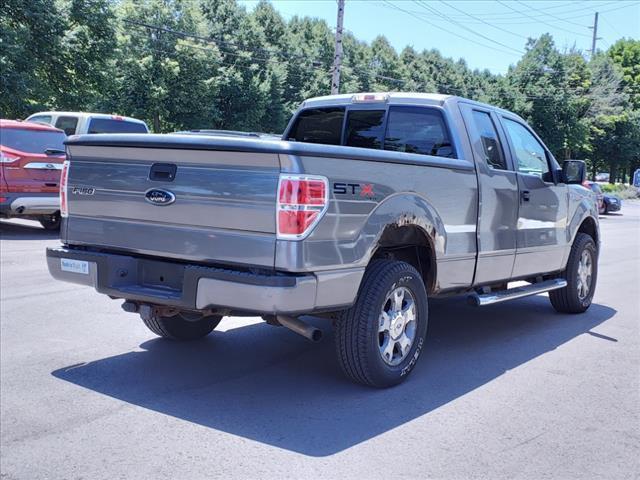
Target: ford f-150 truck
column 369, row 205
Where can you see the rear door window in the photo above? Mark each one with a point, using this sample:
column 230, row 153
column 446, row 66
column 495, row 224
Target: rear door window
column 417, row 130
column 489, row 140
column 365, row 128
column 318, row 125
column 68, row 124
column 32, row 141
column 112, row 125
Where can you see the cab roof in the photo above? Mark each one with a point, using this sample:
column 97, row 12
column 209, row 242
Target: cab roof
column 24, row 125
column 89, row 114
column 386, row 97
column 407, row 98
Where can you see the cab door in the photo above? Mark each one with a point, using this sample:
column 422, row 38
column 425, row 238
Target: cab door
column 498, row 195
column 543, row 203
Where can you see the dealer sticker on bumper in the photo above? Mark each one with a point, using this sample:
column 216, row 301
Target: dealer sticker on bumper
column 74, row 266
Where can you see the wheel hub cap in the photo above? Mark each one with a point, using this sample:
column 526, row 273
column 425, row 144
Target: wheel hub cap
column 397, row 326
column 585, row 272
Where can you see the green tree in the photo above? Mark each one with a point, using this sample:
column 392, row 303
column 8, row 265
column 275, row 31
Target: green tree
column 626, row 54
column 552, row 86
column 53, row 53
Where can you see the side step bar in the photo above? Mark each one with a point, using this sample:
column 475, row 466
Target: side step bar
column 480, row 300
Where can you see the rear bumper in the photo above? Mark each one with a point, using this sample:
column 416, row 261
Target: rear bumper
column 25, row 204
column 197, row 287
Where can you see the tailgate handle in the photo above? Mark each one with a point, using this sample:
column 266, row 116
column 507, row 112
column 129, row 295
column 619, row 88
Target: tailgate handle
column 162, row 172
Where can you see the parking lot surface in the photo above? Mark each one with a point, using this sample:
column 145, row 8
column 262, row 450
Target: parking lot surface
column 513, row 390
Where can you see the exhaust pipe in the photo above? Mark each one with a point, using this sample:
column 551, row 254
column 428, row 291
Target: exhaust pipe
column 301, row 328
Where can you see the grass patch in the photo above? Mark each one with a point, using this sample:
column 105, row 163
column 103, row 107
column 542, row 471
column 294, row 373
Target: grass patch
column 625, row 192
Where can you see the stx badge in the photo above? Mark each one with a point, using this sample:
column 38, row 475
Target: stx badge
column 364, row 189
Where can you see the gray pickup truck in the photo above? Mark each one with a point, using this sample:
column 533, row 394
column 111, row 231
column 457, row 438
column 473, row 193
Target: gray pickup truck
column 367, row 206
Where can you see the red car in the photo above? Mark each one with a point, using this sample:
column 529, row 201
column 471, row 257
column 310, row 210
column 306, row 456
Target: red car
column 31, row 157
column 595, row 188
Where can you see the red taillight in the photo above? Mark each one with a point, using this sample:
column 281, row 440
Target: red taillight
column 64, row 177
column 302, row 199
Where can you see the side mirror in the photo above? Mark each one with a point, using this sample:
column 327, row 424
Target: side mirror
column 574, row 172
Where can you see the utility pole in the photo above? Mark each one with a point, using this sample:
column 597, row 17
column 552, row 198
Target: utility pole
column 595, row 35
column 337, row 59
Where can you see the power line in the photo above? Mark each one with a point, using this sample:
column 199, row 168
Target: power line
column 535, row 18
column 614, row 29
column 540, row 21
column 549, row 14
column 388, row 4
column 512, row 16
column 212, row 40
column 483, row 21
column 432, row 10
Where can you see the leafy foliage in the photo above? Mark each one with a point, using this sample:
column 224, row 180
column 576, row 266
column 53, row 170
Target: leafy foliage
column 181, row 64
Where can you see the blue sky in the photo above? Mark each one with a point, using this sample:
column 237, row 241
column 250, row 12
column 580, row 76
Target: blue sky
column 486, row 34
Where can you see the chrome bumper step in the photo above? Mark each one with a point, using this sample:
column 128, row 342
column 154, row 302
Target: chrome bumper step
column 482, row 299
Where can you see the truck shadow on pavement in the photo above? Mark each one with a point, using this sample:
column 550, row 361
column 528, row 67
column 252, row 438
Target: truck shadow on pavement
column 19, row 231
column 269, row 385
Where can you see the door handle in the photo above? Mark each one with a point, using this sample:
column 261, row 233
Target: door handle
column 163, row 172
column 525, row 195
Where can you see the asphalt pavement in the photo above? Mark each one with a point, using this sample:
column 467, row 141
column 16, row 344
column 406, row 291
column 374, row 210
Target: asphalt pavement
column 502, row 392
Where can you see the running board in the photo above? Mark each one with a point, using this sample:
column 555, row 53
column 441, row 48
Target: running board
column 480, row 300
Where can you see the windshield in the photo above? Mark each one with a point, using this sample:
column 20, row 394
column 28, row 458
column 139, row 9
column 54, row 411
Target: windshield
column 32, row 141
column 107, row 125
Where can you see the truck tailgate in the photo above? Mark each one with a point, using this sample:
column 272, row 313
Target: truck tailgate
column 218, row 207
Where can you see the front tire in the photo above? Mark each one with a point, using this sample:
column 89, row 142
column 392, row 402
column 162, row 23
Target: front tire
column 182, row 326
column 379, row 339
column 581, row 275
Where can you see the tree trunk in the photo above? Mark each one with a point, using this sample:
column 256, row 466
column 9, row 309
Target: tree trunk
column 612, row 173
column 156, row 122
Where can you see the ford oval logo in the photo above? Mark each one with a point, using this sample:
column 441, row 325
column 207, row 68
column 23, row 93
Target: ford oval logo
column 160, row 197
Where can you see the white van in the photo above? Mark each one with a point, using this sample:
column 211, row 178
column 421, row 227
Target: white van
column 78, row 123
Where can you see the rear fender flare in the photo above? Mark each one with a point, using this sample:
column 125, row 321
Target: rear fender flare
column 405, row 209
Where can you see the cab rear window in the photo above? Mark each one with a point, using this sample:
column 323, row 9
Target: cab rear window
column 108, row 125
column 318, row 125
column 409, row 129
column 32, row 141
column 365, row 128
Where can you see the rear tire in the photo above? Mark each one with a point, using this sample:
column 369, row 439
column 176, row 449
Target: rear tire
column 50, row 222
column 182, row 326
column 379, row 339
column 581, row 275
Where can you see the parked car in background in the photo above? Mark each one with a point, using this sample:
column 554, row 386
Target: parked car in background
column 602, row 177
column 31, row 158
column 595, row 188
column 79, row 123
column 611, row 203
